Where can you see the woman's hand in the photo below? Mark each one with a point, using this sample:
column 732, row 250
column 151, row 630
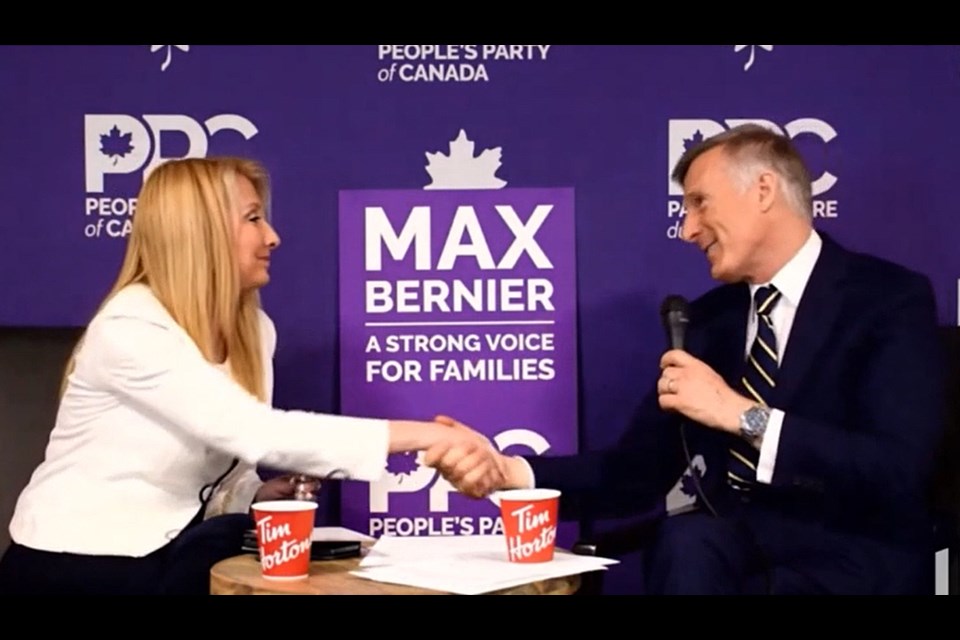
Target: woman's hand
column 465, row 457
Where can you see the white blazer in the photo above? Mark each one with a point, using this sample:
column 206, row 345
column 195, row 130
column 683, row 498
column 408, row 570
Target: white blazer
column 145, row 422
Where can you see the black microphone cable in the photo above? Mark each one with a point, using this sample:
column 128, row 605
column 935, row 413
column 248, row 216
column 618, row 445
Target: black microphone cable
column 206, row 491
column 693, row 470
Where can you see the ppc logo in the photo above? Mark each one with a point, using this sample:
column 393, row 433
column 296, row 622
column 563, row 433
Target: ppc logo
column 684, row 133
column 406, row 474
column 122, row 144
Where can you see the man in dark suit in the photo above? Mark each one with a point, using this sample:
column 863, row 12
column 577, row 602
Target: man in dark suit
column 811, row 384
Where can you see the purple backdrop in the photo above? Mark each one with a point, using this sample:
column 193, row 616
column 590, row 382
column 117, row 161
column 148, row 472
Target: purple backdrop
column 605, row 121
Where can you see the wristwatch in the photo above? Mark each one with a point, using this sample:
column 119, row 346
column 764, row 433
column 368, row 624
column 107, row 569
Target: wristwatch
column 753, row 422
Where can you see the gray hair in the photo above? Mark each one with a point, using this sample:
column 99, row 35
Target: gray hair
column 753, row 148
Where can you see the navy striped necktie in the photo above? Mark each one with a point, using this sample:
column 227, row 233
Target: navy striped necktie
column 757, row 383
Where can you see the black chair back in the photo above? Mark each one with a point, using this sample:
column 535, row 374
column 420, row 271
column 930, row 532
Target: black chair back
column 945, row 489
column 32, row 361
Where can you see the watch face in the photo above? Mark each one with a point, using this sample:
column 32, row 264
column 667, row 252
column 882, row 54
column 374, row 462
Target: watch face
column 754, row 421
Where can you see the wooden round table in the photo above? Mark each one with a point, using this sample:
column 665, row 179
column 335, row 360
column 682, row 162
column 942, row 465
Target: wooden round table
column 240, row 575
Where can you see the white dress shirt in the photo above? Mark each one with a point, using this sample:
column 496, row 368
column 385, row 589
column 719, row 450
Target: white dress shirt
column 791, row 281
column 146, row 421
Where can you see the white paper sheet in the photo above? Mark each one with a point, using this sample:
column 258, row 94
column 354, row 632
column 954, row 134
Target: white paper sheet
column 339, row 533
column 465, row 565
column 389, row 550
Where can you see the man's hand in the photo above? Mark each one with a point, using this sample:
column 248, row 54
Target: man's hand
column 473, row 467
column 688, row 386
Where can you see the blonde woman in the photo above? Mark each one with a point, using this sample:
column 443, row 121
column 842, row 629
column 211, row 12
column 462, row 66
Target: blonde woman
column 165, row 408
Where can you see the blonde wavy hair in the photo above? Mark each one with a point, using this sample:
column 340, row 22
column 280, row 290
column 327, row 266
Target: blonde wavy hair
column 181, row 246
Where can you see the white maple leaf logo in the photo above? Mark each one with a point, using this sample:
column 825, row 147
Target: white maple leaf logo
column 740, row 47
column 461, row 170
column 166, row 63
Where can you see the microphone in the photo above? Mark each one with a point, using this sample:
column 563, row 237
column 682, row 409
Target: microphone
column 675, row 315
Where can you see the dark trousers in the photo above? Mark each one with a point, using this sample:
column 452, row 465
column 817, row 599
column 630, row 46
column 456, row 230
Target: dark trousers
column 181, row 567
column 753, row 551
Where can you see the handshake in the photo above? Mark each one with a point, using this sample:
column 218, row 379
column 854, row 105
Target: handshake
column 465, row 458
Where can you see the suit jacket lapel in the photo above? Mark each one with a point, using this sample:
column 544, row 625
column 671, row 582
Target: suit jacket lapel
column 730, row 357
column 816, row 315
column 722, row 332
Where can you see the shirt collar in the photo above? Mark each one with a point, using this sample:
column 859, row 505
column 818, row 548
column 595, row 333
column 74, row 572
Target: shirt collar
column 792, row 278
